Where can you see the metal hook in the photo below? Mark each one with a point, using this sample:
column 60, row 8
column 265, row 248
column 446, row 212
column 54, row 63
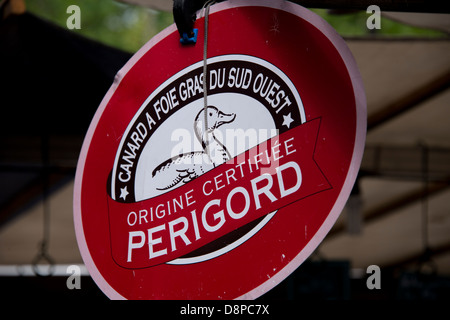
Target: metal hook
column 426, row 262
column 43, row 256
column 184, row 15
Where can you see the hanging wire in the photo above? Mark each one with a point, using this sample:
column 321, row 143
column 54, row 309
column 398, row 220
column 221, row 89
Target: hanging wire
column 42, row 255
column 206, row 7
column 425, row 196
column 425, row 259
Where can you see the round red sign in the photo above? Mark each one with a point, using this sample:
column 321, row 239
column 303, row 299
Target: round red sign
column 178, row 199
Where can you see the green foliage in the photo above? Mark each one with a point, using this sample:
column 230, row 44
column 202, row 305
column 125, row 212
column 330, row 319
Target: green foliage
column 354, row 24
column 129, row 27
column 123, row 26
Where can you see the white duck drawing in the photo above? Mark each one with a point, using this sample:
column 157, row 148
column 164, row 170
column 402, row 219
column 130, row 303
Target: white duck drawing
column 185, row 167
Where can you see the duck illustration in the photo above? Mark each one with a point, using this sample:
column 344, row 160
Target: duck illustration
column 187, row 166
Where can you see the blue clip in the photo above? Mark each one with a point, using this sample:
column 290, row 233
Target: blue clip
column 189, row 40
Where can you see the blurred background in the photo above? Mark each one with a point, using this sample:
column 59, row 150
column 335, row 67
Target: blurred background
column 52, row 80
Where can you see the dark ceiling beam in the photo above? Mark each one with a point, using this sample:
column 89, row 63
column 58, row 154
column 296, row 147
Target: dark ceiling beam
column 390, row 207
column 432, row 6
column 411, row 100
column 432, row 253
column 405, row 200
column 414, row 163
column 33, row 192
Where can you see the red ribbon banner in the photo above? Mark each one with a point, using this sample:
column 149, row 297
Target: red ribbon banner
column 265, row 178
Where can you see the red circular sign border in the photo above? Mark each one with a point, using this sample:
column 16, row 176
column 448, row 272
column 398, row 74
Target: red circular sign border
column 360, row 102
